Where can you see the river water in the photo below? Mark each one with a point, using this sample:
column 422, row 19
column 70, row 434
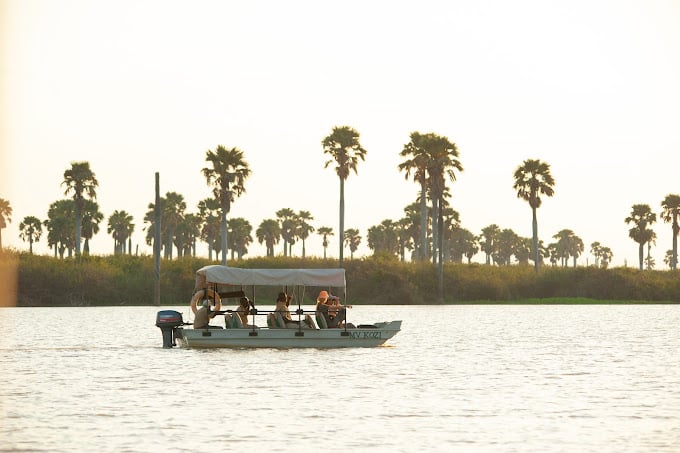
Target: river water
column 456, row 378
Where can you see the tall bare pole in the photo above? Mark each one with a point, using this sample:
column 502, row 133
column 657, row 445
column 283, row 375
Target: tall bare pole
column 157, row 243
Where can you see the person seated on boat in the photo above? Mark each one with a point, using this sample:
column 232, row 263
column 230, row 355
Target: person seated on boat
column 331, row 309
column 243, row 310
column 282, row 303
column 203, row 317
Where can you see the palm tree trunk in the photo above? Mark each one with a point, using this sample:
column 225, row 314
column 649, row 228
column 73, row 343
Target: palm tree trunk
column 440, row 270
column 423, row 224
column 534, row 241
column 435, row 230
column 641, row 254
column 223, row 233
column 168, row 246
column 79, row 226
column 342, row 219
column 674, row 258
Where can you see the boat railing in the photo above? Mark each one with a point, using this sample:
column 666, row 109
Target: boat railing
column 298, row 312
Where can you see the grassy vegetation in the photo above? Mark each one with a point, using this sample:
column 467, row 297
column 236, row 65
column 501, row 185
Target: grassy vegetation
column 558, row 301
column 129, row 280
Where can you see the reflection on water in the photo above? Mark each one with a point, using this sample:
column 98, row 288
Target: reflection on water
column 456, row 378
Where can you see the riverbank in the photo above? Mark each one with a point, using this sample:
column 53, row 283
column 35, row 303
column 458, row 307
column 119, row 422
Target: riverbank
column 129, row 280
column 562, row 301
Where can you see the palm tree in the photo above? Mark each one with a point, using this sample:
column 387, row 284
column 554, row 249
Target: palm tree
column 288, row 228
column 507, row 243
column 412, row 221
column 324, row 232
column 576, row 247
column 565, row 244
column 533, row 179
column 269, row 232
column 605, row 256
column 120, row 227
column 404, row 236
column 227, row 177
column 344, row 149
column 670, row 214
column 240, row 236
column 450, row 223
column 172, row 215
column 209, row 212
column 443, row 161
column 91, row 220
column 641, row 216
column 488, row 240
column 30, row 229
column 352, row 240
column 543, row 251
column 553, row 253
column 150, row 219
column 523, row 250
column 596, row 251
column 568, row 245
column 5, row 216
column 304, row 229
column 649, row 260
column 383, row 238
column 80, row 180
column 59, row 224
column 186, row 234
column 463, row 244
column 417, row 162
column 668, row 259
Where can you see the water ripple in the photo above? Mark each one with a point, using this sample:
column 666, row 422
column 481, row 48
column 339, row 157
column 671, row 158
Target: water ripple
column 457, row 378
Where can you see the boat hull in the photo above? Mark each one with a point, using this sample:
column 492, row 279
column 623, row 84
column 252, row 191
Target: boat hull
column 288, row 338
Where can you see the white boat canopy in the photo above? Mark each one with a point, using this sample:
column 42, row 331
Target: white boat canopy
column 269, row 277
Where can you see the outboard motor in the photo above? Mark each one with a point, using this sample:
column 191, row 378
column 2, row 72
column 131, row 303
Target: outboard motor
column 167, row 321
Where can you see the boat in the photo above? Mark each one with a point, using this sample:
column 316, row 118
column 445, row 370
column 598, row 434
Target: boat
column 217, row 284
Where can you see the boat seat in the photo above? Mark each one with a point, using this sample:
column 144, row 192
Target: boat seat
column 280, row 323
column 310, row 322
column 321, row 320
column 236, row 321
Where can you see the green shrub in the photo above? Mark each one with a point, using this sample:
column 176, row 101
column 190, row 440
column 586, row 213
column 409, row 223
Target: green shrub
column 129, row 280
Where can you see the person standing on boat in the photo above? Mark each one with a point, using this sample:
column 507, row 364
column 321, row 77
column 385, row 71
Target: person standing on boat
column 331, row 309
column 203, row 316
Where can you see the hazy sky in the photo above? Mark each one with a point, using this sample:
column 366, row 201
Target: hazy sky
column 135, row 87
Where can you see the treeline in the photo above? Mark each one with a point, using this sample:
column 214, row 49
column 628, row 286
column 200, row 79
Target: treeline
column 430, row 229
column 129, row 280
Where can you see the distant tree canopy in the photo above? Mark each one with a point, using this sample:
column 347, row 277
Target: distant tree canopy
column 344, row 151
column 532, row 180
column 425, row 231
column 82, row 183
column 5, row 216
